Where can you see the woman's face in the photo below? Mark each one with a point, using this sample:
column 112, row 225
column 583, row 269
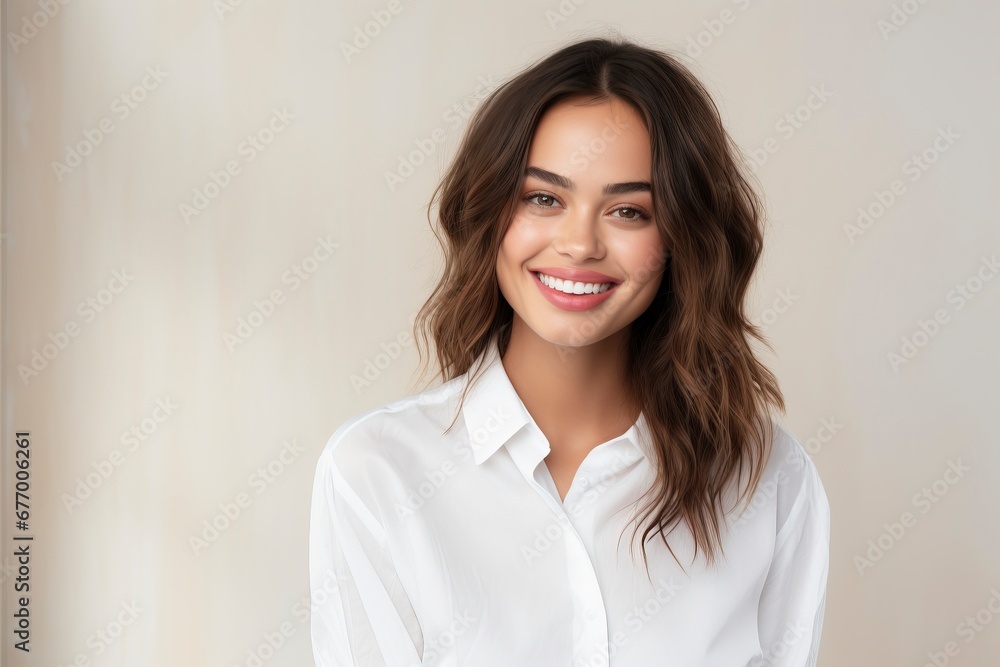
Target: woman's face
column 585, row 215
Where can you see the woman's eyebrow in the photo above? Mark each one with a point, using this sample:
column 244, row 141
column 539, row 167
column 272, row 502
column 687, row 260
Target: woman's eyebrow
column 565, row 183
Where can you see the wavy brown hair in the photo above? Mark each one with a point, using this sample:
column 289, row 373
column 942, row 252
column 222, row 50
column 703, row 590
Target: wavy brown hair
column 705, row 396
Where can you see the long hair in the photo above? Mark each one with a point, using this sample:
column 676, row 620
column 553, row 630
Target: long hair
column 706, row 398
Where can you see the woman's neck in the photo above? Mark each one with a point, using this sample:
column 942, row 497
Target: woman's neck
column 576, row 395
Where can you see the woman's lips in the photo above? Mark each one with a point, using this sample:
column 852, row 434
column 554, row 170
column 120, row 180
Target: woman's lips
column 572, row 302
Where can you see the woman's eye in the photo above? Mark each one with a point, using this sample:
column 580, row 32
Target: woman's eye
column 635, row 214
column 540, row 196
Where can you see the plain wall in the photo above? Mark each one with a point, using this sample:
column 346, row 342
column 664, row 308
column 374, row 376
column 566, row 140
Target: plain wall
column 838, row 295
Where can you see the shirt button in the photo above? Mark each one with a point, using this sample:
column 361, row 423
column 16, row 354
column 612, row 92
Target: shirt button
column 591, row 614
column 584, row 482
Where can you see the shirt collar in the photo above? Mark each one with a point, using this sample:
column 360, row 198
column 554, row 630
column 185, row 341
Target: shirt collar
column 494, row 412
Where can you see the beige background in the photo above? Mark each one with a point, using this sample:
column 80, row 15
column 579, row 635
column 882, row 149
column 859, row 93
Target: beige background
column 835, row 305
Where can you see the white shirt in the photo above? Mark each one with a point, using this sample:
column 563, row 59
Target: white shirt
column 455, row 548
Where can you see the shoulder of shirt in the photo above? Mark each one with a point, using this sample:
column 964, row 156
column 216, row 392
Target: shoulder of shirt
column 802, row 480
column 788, row 455
column 360, row 435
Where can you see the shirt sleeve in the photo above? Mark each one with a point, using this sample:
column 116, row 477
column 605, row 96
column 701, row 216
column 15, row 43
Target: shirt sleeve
column 793, row 600
column 360, row 615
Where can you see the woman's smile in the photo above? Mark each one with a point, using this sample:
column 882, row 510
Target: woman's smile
column 570, row 295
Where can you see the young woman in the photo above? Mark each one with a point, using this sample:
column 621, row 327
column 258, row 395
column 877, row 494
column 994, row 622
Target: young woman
column 590, row 330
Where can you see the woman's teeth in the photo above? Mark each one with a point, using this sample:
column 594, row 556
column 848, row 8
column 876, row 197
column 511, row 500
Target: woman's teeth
column 570, row 287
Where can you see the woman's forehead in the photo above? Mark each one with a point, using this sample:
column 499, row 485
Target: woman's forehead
column 592, row 143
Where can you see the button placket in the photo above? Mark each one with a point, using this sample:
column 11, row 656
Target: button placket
column 590, row 626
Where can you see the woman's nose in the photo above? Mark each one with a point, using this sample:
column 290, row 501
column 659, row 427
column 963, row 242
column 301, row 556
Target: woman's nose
column 578, row 234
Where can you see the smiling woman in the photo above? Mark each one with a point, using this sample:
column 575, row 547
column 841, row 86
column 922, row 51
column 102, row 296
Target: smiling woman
column 590, row 330
column 596, row 215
